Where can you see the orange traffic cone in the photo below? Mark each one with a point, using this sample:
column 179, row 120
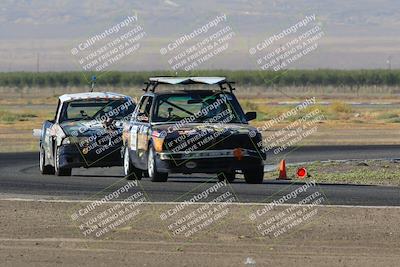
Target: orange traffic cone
column 282, row 171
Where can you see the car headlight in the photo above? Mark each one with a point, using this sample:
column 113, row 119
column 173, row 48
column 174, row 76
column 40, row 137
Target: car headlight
column 67, row 141
column 82, row 141
column 158, row 140
column 158, row 144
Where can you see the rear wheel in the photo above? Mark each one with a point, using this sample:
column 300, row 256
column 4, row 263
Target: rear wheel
column 229, row 176
column 44, row 169
column 154, row 175
column 130, row 171
column 57, row 169
column 254, row 176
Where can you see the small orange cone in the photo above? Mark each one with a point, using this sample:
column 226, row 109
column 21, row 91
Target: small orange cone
column 282, row 171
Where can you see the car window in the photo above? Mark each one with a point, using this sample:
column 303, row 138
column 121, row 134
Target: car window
column 199, row 107
column 96, row 109
column 144, row 108
column 177, row 106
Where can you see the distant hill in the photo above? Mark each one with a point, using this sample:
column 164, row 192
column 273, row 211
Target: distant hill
column 358, row 34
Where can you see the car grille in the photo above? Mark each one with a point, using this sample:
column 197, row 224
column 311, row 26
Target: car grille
column 208, row 142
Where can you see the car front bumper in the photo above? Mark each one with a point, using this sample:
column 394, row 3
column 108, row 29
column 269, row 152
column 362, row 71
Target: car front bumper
column 73, row 157
column 208, row 161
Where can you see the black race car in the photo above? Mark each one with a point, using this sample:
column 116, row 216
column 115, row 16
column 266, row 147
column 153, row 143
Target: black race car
column 86, row 132
column 192, row 131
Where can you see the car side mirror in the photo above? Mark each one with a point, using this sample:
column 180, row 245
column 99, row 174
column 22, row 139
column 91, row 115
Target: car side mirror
column 37, row 133
column 250, row 115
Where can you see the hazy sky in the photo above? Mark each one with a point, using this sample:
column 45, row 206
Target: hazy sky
column 41, row 34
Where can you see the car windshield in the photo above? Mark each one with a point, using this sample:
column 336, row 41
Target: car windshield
column 198, row 107
column 96, row 109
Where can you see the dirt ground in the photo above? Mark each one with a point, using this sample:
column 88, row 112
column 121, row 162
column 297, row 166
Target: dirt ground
column 43, row 234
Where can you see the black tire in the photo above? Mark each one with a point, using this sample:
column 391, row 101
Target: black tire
column 254, row 176
column 154, row 175
column 229, row 176
column 57, row 170
column 44, row 169
column 130, row 171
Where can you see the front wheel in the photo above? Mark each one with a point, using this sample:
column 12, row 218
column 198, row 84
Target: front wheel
column 44, row 169
column 59, row 171
column 130, row 171
column 154, row 175
column 255, row 175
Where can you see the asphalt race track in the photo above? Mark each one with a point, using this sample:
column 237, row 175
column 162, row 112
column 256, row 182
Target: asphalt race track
column 20, row 177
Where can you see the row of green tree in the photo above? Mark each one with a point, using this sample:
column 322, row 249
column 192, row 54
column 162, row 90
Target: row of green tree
column 320, row 77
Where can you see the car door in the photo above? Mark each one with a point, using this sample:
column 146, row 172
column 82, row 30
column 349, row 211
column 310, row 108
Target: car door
column 139, row 132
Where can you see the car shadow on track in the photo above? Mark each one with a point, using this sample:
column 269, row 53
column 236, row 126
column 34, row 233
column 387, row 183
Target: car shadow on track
column 98, row 176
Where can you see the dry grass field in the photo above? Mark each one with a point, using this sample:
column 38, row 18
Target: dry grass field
column 23, row 109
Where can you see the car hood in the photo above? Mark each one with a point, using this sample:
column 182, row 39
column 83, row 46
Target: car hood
column 193, row 128
column 87, row 127
column 209, row 136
